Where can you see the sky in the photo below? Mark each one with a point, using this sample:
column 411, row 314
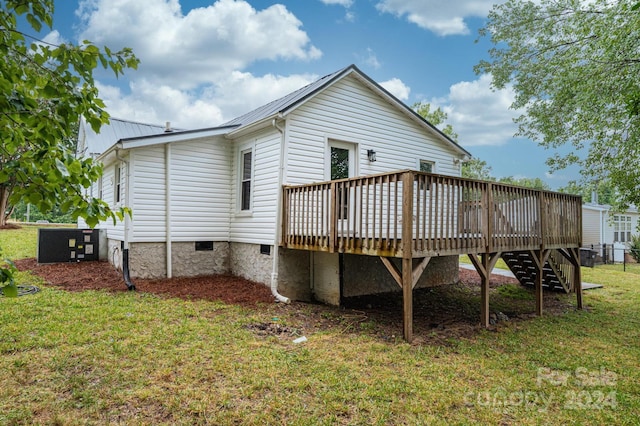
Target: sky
column 204, row 62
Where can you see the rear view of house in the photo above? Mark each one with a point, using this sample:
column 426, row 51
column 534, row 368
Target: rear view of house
column 335, row 190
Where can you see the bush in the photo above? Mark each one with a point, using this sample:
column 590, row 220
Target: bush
column 634, row 247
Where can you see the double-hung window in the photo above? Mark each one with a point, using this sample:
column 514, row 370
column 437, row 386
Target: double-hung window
column 246, row 163
column 621, row 228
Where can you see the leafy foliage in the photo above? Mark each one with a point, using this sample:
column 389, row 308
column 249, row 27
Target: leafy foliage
column 634, row 247
column 47, row 90
column 573, row 66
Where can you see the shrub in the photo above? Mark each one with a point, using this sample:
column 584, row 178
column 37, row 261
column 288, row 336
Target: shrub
column 634, row 247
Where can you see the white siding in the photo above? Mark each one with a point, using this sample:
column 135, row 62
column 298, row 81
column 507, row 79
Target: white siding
column 350, row 112
column 148, row 194
column 108, row 186
column 200, row 190
column 258, row 225
column 591, row 227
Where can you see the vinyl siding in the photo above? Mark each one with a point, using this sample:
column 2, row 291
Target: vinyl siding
column 350, row 112
column 258, row 225
column 591, row 227
column 200, row 190
column 148, row 194
column 115, row 232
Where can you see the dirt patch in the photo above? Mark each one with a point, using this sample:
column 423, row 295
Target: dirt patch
column 440, row 313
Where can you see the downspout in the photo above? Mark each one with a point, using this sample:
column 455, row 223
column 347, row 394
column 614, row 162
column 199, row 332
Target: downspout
column 278, row 230
column 127, row 224
column 167, row 208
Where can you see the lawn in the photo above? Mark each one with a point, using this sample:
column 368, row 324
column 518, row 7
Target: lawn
column 135, row 358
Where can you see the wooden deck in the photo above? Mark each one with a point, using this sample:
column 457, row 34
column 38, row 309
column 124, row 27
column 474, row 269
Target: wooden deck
column 409, row 214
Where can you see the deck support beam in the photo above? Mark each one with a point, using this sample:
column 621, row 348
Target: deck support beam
column 484, row 264
column 540, row 258
column 573, row 256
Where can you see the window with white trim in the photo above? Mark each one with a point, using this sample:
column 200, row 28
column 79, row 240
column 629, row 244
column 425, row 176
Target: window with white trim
column 117, row 191
column 621, row 228
column 427, row 166
column 246, row 165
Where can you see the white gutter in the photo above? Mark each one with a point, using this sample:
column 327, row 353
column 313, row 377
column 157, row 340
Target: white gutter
column 278, row 230
column 167, row 208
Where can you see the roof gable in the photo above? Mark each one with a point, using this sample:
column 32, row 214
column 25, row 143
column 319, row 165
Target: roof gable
column 290, row 102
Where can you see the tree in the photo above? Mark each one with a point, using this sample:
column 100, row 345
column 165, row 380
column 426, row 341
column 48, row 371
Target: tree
column 46, row 90
column 435, row 117
column 573, row 66
column 603, row 191
column 534, row 183
column 476, row 169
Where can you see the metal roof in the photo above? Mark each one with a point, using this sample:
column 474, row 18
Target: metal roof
column 97, row 143
column 284, row 103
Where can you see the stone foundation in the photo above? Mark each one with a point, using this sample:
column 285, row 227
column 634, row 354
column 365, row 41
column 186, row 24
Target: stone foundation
column 302, row 275
column 186, row 261
column 293, row 270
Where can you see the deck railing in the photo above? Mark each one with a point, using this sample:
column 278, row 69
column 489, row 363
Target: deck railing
column 426, row 214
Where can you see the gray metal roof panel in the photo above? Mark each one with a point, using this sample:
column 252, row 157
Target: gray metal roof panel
column 284, row 103
column 97, row 143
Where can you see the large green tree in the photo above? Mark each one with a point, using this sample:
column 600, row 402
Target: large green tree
column 574, row 68
column 46, row 90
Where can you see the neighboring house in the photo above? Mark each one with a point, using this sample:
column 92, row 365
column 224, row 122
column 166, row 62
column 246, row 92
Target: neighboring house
column 207, row 201
column 604, row 230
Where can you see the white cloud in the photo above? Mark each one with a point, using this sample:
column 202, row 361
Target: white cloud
column 200, row 47
column 480, row 115
column 441, row 17
column 371, row 59
column 207, row 107
column 345, row 3
column 397, row 88
column 54, row 38
column 192, row 66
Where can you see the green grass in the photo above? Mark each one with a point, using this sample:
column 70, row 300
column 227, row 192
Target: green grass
column 133, row 358
column 22, row 243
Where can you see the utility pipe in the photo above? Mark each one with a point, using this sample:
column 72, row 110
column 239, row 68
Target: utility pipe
column 127, row 224
column 278, row 230
column 167, row 208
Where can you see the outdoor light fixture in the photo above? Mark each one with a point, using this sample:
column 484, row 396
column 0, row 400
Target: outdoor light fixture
column 371, row 154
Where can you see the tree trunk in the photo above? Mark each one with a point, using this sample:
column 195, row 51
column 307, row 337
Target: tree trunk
column 5, row 193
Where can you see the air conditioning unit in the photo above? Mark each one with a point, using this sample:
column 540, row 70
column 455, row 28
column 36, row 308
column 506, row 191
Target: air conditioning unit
column 56, row 245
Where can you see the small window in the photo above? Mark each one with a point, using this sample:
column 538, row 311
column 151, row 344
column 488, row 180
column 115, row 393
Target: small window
column 265, row 249
column 204, row 245
column 118, row 184
column 245, row 183
column 426, row 166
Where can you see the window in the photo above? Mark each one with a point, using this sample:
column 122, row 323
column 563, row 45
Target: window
column 621, row 228
column 245, row 179
column 426, row 166
column 118, row 184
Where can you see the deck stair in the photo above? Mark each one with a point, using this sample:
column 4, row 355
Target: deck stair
column 523, row 266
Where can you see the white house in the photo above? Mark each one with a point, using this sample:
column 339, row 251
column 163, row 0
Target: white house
column 208, row 201
column 601, row 227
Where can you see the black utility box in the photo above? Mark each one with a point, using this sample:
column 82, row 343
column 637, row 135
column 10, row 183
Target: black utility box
column 587, row 257
column 57, row 245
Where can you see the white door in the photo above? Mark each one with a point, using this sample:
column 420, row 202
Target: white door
column 342, row 164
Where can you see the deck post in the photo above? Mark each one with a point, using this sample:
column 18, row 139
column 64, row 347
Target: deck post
column 577, row 276
column 484, row 265
column 333, row 217
column 407, row 255
column 540, row 258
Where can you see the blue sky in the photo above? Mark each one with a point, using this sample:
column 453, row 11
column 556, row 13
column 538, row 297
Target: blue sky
column 206, row 62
